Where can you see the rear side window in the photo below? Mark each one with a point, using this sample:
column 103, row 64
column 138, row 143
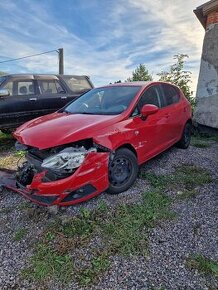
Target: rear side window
column 171, row 94
column 77, row 84
column 50, row 87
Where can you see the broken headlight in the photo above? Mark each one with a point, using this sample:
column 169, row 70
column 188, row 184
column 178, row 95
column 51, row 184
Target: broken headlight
column 67, row 160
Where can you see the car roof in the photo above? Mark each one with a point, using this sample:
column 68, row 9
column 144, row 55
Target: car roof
column 40, row 75
column 130, row 84
column 142, row 84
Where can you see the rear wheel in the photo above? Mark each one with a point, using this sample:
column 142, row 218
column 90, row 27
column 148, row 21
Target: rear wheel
column 123, row 170
column 184, row 142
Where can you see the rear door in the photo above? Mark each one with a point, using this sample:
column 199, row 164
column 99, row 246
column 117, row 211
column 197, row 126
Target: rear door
column 173, row 108
column 51, row 94
column 17, row 107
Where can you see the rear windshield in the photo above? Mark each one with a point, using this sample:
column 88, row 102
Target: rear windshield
column 77, row 84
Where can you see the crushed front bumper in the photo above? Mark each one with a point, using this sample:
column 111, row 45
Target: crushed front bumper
column 89, row 180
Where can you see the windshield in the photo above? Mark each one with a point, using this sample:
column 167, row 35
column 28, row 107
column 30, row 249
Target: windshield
column 2, row 79
column 104, row 101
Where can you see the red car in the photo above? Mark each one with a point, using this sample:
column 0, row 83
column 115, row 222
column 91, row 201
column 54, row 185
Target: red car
column 97, row 142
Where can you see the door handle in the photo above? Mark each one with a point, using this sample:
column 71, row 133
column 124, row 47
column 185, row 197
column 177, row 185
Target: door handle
column 64, row 98
column 33, row 99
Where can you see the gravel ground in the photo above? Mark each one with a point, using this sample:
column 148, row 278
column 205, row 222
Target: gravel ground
column 194, row 231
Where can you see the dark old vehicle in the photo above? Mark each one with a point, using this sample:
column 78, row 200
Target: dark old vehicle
column 26, row 96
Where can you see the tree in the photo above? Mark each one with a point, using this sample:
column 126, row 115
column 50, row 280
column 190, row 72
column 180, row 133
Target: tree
column 180, row 77
column 140, row 74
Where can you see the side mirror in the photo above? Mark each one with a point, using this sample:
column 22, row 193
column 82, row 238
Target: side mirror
column 148, row 110
column 4, row 93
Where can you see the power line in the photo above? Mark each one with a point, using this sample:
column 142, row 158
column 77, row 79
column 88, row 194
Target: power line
column 29, row 56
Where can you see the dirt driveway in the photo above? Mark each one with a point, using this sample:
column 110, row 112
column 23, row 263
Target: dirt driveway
column 160, row 234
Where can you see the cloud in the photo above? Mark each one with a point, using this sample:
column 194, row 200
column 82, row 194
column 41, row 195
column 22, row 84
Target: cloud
column 104, row 41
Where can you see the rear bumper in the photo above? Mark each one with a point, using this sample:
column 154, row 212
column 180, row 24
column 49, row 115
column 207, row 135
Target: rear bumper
column 89, row 180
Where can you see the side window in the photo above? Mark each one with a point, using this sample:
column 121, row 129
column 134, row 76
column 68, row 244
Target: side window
column 50, row 87
column 9, row 86
column 150, row 96
column 171, row 94
column 25, row 88
column 20, row 88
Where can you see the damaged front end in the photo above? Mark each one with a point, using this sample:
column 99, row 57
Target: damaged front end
column 63, row 175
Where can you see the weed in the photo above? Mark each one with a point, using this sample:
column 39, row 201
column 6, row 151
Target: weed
column 48, row 264
column 97, row 266
column 185, row 176
column 24, row 205
column 20, row 153
column 204, row 265
column 20, row 234
column 200, row 142
column 6, row 141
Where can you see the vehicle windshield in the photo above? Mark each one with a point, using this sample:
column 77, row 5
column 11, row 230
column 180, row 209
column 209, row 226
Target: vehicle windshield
column 104, row 101
column 2, row 79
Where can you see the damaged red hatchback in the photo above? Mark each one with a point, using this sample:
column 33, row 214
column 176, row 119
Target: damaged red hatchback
column 97, row 142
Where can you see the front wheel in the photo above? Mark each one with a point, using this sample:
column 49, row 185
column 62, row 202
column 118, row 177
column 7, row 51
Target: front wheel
column 184, row 142
column 123, row 170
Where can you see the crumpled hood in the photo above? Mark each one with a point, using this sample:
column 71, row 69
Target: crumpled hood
column 61, row 128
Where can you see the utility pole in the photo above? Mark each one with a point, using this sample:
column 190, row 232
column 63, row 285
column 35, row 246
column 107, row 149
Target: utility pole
column 61, row 60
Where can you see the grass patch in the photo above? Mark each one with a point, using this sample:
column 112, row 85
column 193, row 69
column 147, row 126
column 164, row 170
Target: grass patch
column 20, row 234
column 126, row 230
column 204, row 265
column 6, row 141
column 47, row 264
column 185, row 178
column 24, row 205
column 97, row 266
column 122, row 231
column 202, row 141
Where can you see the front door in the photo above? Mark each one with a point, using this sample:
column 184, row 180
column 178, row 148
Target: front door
column 17, row 108
column 151, row 136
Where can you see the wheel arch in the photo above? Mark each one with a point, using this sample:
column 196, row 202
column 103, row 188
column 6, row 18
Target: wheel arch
column 189, row 121
column 130, row 147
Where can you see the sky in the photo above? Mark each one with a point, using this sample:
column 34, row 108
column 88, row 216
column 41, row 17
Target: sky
column 105, row 39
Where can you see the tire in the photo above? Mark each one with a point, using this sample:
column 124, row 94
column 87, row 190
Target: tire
column 123, row 170
column 184, row 142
